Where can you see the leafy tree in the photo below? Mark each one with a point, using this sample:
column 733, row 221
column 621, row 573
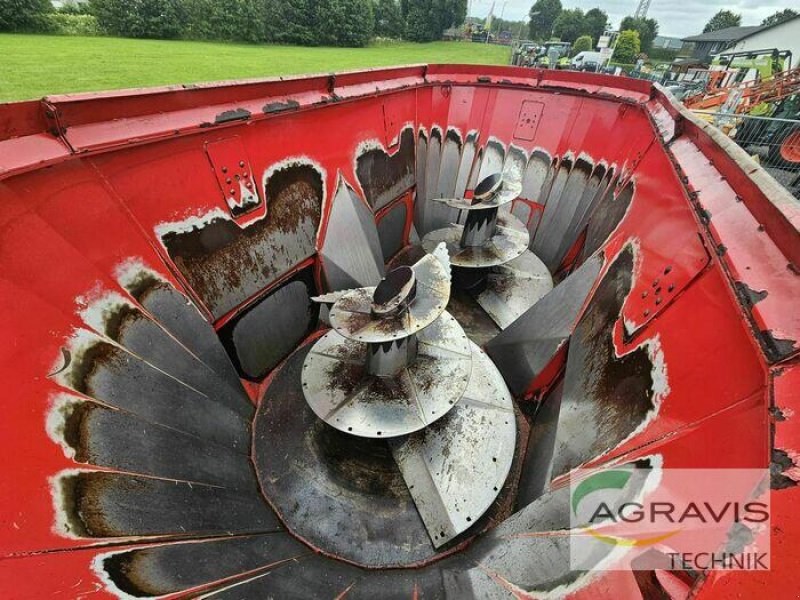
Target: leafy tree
column 582, row 44
column 420, row 21
column 628, row 47
column 343, row 22
column 294, row 20
column 647, row 29
column 780, row 16
column 21, row 15
column 543, row 15
column 163, row 19
column 388, row 19
column 449, row 13
column 515, row 27
column 72, row 7
column 569, row 25
column 595, row 22
column 723, row 19
column 426, row 20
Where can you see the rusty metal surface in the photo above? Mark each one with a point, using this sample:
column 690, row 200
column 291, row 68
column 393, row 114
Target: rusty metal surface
column 351, row 253
column 512, row 288
column 509, row 241
column 606, row 216
column 384, row 176
column 226, row 264
column 615, row 393
column 351, row 316
column 107, row 505
column 172, row 568
column 177, row 315
column 456, row 468
column 118, row 440
column 154, row 448
column 342, row 393
column 113, row 376
column 144, row 337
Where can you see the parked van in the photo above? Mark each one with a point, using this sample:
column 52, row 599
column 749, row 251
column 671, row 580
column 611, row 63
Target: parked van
column 586, row 61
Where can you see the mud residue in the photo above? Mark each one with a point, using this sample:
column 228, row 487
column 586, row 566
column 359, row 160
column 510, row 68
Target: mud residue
column 383, row 177
column 276, row 107
column 76, row 431
column 780, row 462
column 226, row 265
column 606, row 397
column 606, row 216
column 91, row 362
column 82, row 504
column 361, row 464
column 127, row 571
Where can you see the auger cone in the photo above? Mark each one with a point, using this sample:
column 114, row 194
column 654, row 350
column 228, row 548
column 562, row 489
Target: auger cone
column 398, row 366
column 489, row 250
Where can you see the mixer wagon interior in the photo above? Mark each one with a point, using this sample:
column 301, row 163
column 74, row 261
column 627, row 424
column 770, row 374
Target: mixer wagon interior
column 347, row 336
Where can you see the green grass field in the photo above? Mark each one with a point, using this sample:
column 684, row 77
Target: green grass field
column 33, row 66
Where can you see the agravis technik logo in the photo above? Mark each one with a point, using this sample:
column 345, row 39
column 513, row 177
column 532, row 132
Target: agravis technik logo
column 693, row 519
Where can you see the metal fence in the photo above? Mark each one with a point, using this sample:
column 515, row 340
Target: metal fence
column 775, row 143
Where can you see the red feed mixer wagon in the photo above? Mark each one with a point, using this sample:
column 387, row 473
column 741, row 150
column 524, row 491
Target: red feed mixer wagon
column 357, row 335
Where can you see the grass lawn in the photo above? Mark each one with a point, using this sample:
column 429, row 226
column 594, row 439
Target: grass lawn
column 33, row 66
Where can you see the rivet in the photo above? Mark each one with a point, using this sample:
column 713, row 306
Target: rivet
column 644, row 294
column 655, row 283
column 233, row 192
column 658, row 301
column 224, row 169
column 646, row 312
column 228, row 180
column 671, row 287
column 241, row 163
column 667, row 269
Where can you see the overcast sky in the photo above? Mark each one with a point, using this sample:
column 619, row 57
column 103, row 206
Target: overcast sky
column 678, row 18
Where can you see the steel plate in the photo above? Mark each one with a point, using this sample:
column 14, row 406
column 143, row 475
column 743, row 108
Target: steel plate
column 352, row 317
column 351, row 253
column 511, row 191
column 512, row 288
column 341, row 392
column 456, row 468
column 510, row 240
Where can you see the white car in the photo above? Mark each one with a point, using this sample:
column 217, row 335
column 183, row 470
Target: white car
column 581, row 58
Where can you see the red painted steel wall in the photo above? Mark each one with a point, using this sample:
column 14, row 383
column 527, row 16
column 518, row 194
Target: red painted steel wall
column 86, row 180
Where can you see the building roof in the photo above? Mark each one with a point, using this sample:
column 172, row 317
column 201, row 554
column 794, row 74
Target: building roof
column 734, row 34
column 729, row 34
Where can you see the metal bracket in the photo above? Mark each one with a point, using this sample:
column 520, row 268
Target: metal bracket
column 529, row 116
column 234, row 175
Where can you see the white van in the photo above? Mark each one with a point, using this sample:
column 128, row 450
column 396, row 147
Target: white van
column 585, row 59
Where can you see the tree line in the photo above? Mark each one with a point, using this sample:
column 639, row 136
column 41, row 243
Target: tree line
column 303, row 22
column 727, row 18
column 549, row 20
